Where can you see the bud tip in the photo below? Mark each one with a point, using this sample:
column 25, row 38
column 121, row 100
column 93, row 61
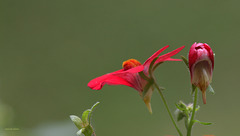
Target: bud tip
column 149, row 107
column 204, row 97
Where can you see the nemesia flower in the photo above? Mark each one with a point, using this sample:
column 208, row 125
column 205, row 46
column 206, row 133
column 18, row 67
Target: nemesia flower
column 129, row 74
column 201, row 64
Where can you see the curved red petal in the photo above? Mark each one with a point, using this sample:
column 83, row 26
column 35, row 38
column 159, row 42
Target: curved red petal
column 110, row 79
column 166, row 57
column 119, row 77
column 132, row 70
column 211, row 56
column 150, row 59
column 171, row 59
column 192, row 55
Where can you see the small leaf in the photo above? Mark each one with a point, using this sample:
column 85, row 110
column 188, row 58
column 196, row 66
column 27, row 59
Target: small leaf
column 85, row 117
column 181, row 111
column 197, row 108
column 162, row 88
column 80, row 132
column 210, row 89
column 180, row 116
column 203, row 123
column 181, row 106
column 184, row 60
column 77, row 121
column 90, row 114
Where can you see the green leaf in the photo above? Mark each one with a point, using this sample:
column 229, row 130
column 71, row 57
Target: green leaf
column 203, row 123
column 181, row 108
column 185, row 60
column 180, row 116
column 80, row 132
column 162, row 88
column 77, row 121
column 84, row 124
column 197, row 108
column 210, row 89
column 90, row 114
column 85, row 117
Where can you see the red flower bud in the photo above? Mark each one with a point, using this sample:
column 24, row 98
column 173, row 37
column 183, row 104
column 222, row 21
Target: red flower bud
column 201, row 63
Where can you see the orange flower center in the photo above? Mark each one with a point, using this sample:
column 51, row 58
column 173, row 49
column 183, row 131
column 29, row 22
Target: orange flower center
column 131, row 63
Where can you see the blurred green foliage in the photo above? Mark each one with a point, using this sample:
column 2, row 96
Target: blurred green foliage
column 51, row 49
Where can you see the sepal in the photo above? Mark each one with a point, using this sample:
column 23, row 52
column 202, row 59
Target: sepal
column 210, row 89
column 185, row 61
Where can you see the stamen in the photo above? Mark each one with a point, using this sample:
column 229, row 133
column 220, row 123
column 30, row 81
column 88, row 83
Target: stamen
column 131, row 63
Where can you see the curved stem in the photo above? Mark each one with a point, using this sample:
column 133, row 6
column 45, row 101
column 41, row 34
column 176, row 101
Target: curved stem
column 165, row 103
column 189, row 130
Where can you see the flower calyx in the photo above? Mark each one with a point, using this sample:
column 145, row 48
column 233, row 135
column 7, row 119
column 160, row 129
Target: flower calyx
column 146, row 94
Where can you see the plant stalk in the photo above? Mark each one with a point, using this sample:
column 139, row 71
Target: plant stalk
column 189, row 130
column 165, row 103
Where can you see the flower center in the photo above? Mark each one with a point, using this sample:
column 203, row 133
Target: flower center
column 131, row 63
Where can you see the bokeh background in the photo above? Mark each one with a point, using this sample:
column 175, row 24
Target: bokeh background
column 51, row 49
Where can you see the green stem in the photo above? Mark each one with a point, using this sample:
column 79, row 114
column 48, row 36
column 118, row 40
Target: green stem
column 189, row 130
column 165, row 103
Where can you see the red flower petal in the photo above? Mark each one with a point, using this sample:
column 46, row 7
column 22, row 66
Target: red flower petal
column 166, row 57
column 171, row 59
column 99, row 82
column 150, row 59
column 115, row 78
column 132, row 70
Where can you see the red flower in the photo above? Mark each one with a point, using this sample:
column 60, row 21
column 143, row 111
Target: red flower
column 130, row 76
column 201, row 64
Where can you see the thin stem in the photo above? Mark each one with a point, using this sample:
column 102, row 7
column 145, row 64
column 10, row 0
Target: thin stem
column 165, row 103
column 189, row 130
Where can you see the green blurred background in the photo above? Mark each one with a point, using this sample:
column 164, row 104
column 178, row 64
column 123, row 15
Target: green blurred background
column 51, row 49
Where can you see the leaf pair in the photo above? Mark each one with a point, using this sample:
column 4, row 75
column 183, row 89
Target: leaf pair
column 83, row 124
column 185, row 112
